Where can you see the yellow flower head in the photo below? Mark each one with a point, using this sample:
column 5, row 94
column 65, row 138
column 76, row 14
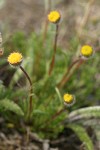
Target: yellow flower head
column 54, row 16
column 15, row 58
column 69, row 99
column 86, row 51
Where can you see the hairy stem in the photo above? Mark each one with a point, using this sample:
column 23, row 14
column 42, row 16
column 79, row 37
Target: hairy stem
column 31, row 90
column 66, row 77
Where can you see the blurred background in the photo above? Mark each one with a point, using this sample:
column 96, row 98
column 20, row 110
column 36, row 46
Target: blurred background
column 30, row 15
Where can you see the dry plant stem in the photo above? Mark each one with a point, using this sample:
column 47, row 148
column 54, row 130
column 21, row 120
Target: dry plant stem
column 66, row 78
column 55, row 47
column 57, row 114
column 30, row 82
column 85, row 17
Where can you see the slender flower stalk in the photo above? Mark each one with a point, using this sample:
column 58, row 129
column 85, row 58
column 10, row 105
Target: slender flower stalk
column 67, row 76
column 86, row 52
column 55, row 115
column 58, row 113
column 54, row 17
column 54, row 54
column 68, row 70
column 31, row 90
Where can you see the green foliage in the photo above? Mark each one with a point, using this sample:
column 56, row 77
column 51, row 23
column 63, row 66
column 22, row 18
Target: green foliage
column 19, row 42
column 8, row 105
column 83, row 136
column 83, row 113
column 47, row 97
column 88, row 117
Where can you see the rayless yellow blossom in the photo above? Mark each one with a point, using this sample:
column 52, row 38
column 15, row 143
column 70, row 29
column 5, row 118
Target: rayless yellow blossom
column 15, row 58
column 86, row 51
column 69, row 99
column 54, row 16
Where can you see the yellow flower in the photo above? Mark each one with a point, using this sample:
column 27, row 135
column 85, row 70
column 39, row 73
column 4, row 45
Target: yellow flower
column 54, row 16
column 86, row 51
column 15, row 58
column 69, row 99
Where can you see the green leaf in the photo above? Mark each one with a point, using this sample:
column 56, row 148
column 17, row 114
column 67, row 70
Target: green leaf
column 85, row 113
column 39, row 112
column 83, row 136
column 7, row 105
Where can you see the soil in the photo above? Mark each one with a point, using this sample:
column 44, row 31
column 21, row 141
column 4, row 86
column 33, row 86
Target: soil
column 15, row 140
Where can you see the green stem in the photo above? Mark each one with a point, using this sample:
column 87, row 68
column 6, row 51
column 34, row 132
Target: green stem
column 55, row 48
column 57, row 114
column 30, row 82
